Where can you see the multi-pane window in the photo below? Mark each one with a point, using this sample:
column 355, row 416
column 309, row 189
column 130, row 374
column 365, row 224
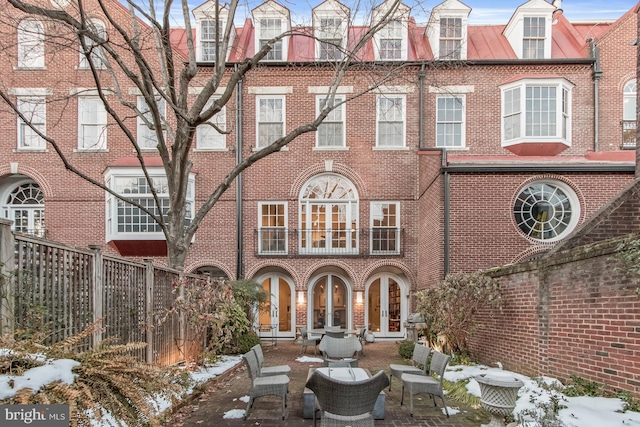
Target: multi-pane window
column 629, row 114
column 25, row 207
column 273, row 227
column 34, row 111
column 92, row 123
column 210, row 135
column 536, row 110
column 329, row 36
column 450, row 121
column 270, row 119
column 269, row 29
column 533, row 38
column 93, row 49
column 30, row 44
column 147, row 136
column 385, row 227
column 331, row 133
column 125, row 218
column 391, row 40
column 450, row 38
column 209, row 40
column 391, row 117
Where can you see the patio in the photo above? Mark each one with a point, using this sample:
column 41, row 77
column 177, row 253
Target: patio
column 222, row 394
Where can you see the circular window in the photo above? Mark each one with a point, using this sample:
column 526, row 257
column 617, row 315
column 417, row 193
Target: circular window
column 546, row 211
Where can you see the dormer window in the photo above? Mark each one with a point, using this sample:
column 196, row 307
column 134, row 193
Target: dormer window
column 391, row 41
column 272, row 21
column 391, row 38
column 450, row 38
column 209, row 39
column 533, row 38
column 329, row 39
column 210, row 30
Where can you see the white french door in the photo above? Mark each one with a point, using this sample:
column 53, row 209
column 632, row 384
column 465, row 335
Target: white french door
column 330, row 303
column 277, row 317
column 386, row 306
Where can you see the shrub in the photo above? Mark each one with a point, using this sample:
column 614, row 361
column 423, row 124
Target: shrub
column 247, row 340
column 405, row 348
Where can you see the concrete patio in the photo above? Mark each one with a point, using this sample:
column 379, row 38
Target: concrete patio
column 222, row 394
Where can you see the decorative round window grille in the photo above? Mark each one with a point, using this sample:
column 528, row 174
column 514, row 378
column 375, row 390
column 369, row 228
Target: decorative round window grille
column 546, row 211
column 26, row 194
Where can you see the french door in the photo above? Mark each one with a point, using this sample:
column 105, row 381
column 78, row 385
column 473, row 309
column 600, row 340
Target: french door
column 277, row 317
column 331, row 305
column 386, row 307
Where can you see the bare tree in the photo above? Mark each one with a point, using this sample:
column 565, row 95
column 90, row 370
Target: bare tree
column 137, row 50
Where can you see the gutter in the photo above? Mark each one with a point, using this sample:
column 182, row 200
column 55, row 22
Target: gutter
column 447, row 214
column 557, row 168
column 596, row 74
column 239, row 196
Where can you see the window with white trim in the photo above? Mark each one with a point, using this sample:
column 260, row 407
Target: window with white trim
column 209, row 40
column 390, row 39
column 271, row 119
column 629, row 100
column 94, row 50
column 533, row 39
column 33, row 108
column 269, row 29
column 92, row 123
column 536, row 109
column 125, row 221
column 30, row 44
column 208, row 135
column 546, row 210
column 147, row 137
column 329, row 38
column 385, row 227
column 450, row 38
column 450, row 121
column 331, row 133
column 272, row 231
column 390, row 121
column 24, row 205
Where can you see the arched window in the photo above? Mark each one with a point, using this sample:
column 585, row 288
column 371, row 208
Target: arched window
column 30, row 44
column 25, row 206
column 329, row 215
column 93, row 48
column 629, row 101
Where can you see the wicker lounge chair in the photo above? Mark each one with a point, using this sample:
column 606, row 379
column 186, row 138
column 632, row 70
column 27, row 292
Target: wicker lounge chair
column 307, row 341
column 340, row 350
column 416, row 384
column 346, row 403
column 275, row 385
column 418, row 365
column 266, row 371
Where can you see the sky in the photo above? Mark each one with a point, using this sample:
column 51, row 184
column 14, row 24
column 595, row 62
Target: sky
column 580, row 411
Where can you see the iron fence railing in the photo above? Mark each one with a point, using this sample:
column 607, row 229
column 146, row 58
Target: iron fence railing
column 629, row 134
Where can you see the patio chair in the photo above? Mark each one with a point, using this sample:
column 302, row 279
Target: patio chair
column 266, row 371
column 307, row 341
column 340, row 350
column 275, row 385
column 362, row 334
column 334, row 334
column 416, row 384
column 418, row 364
column 346, row 403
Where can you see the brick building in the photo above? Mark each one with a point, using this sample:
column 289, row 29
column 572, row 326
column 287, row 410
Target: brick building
column 485, row 146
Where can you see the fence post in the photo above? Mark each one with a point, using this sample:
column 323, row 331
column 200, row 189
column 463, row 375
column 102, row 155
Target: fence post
column 7, row 283
column 98, row 292
column 149, row 322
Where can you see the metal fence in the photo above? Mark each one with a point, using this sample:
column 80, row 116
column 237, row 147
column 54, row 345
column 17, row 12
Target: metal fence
column 66, row 289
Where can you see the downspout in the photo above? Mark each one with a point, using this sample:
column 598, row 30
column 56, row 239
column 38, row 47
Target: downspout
column 421, row 75
column 239, row 196
column 596, row 74
column 447, row 198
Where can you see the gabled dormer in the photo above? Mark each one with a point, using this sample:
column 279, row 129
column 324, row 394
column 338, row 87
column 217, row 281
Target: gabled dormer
column 447, row 30
column 210, row 28
column 270, row 20
column 529, row 30
column 330, row 26
column 390, row 42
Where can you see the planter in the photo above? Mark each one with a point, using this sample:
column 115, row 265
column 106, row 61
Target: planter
column 498, row 395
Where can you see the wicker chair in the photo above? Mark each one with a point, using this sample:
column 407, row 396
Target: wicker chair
column 275, row 385
column 346, row 403
column 337, row 351
column 362, row 335
column 267, row 371
column 427, row 383
column 335, row 334
column 418, row 364
column 307, row 341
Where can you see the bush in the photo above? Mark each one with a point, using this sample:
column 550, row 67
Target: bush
column 405, row 348
column 247, row 340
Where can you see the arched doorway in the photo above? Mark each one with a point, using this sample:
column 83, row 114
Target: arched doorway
column 330, row 302
column 279, row 312
column 386, row 305
column 23, row 203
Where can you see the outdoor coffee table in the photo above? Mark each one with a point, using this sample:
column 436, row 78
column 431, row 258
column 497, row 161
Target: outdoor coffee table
column 342, row 374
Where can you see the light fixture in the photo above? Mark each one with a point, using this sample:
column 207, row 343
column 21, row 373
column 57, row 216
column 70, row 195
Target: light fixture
column 300, row 297
column 359, row 297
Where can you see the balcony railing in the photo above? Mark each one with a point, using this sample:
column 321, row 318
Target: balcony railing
column 629, row 134
column 382, row 241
